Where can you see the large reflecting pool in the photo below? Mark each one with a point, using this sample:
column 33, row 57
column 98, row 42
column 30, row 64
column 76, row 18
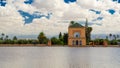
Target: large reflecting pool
column 59, row 57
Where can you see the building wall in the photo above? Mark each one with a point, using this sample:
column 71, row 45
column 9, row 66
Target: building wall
column 71, row 37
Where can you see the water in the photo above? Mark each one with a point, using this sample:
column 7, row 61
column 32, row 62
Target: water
column 59, row 57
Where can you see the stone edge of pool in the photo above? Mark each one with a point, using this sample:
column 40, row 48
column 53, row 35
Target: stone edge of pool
column 44, row 45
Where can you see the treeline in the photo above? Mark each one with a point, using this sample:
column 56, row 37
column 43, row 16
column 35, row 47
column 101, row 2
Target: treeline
column 4, row 39
column 112, row 39
column 62, row 39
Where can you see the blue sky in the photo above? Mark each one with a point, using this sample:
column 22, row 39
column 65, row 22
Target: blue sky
column 29, row 17
column 3, row 2
column 28, row 1
column 111, row 11
column 69, row 1
column 96, row 11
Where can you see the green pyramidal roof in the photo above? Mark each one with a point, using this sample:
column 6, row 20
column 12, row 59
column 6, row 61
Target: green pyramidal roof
column 75, row 25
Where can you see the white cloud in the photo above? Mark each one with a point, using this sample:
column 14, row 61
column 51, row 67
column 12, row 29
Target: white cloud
column 11, row 22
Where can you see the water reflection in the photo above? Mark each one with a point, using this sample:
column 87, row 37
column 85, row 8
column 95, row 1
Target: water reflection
column 59, row 57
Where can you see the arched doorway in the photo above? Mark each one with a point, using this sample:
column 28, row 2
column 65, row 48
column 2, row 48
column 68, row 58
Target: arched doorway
column 76, row 42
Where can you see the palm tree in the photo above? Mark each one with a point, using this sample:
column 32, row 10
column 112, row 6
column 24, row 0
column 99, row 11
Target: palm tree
column 106, row 37
column 6, row 37
column 114, row 37
column 2, row 36
column 118, row 36
column 110, row 35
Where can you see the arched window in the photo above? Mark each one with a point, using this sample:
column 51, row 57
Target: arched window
column 77, row 35
column 80, row 42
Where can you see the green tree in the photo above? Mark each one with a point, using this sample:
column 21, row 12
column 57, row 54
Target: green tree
column 14, row 38
column 72, row 22
column 113, row 42
column 110, row 35
column 56, row 41
column 60, row 36
column 115, row 37
column 2, row 36
column 6, row 37
column 88, row 34
column 65, row 38
column 42, row 38
column 106, row 37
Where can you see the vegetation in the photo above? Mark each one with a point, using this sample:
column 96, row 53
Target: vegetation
column 62, row 38
column 88, row 32
column 42, row 38
column 4, row 39
column 112, row 39
column 98, row 41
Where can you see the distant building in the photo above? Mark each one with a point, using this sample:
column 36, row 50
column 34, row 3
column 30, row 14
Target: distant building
column 76, row 35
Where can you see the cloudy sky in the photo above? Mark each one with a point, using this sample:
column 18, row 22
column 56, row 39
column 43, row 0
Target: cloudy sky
column 29, row 17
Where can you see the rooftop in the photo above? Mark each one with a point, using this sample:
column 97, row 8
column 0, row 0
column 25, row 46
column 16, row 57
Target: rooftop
column 75, row 25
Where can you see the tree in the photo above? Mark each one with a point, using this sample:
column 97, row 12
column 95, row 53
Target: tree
column 72, row 22
column 114, row 37
column 65, row 38
column 110, row 35
column 56, row 41
column 2, row 36
column 42, row 38
column 106, row 37
column 14, row 38
column 117, row 36
column 6, row 37
column 60, row 36
column 88, row 34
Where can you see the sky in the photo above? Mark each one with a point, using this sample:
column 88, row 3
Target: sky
column 30, row 17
